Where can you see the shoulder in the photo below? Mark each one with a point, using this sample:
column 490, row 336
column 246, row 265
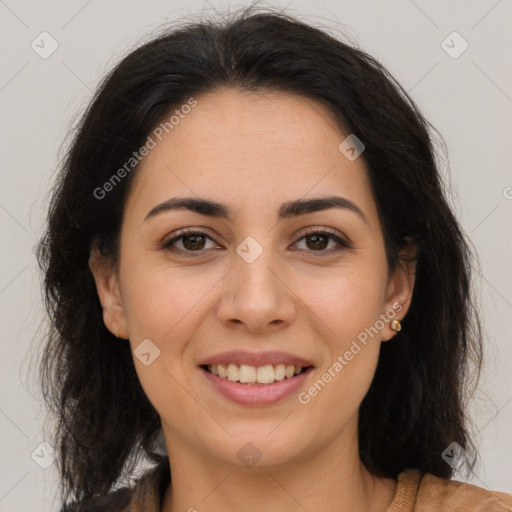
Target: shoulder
column 144, row 496
column 115, row 501
column 435, row 493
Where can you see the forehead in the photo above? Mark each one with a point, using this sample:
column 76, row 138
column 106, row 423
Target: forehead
column 259, row 121
column 267, row 146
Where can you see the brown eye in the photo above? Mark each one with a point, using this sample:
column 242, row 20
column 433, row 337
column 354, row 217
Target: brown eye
column 318, row 241
column 191, row 242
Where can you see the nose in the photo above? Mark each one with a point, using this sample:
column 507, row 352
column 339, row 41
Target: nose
column 257, row 295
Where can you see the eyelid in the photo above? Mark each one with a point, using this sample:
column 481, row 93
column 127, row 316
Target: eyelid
column 318, row 229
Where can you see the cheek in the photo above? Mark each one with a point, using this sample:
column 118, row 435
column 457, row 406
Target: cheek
column 348, row 305
column 349, row 308
column 335, row 395
column 347, row 301
column 160, row 301
column 163, row 305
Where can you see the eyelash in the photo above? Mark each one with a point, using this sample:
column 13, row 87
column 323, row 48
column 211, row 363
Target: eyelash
column 343, row 244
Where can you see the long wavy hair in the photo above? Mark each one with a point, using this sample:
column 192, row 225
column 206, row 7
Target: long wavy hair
column 416, row 405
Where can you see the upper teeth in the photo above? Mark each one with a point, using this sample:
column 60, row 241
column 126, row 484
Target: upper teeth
column 252, row 374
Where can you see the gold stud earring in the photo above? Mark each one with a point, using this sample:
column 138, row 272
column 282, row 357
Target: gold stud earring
column 396, row 325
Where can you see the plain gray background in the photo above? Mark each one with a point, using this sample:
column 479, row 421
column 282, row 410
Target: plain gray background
column 467, row 98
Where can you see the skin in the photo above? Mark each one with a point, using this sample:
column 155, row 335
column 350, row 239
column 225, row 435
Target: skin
column 252, row 152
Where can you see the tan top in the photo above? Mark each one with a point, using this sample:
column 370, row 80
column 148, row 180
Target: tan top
column 414, row 493
column 429, row 493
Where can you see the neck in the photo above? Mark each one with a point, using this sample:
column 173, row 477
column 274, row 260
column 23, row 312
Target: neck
column 333, row 479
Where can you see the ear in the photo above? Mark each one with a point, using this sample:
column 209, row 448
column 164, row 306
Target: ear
column 107, row 286
column 400, row 288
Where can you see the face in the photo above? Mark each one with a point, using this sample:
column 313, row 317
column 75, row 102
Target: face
column 258, row 284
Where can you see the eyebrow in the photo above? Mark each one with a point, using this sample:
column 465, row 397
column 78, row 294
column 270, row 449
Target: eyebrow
column 287, row 209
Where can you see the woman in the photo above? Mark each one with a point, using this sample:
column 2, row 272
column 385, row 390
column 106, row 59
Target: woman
column 255, row 282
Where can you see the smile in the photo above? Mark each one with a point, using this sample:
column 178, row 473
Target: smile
column 256, row 393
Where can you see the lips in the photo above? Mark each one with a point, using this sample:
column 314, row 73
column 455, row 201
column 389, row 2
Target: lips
column 256, row 378
column 257, row 394
column 241, row 357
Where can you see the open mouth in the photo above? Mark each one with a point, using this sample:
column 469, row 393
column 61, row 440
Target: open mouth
column 256, row 375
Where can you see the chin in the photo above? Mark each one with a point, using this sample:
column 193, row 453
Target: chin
column 256, row 450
